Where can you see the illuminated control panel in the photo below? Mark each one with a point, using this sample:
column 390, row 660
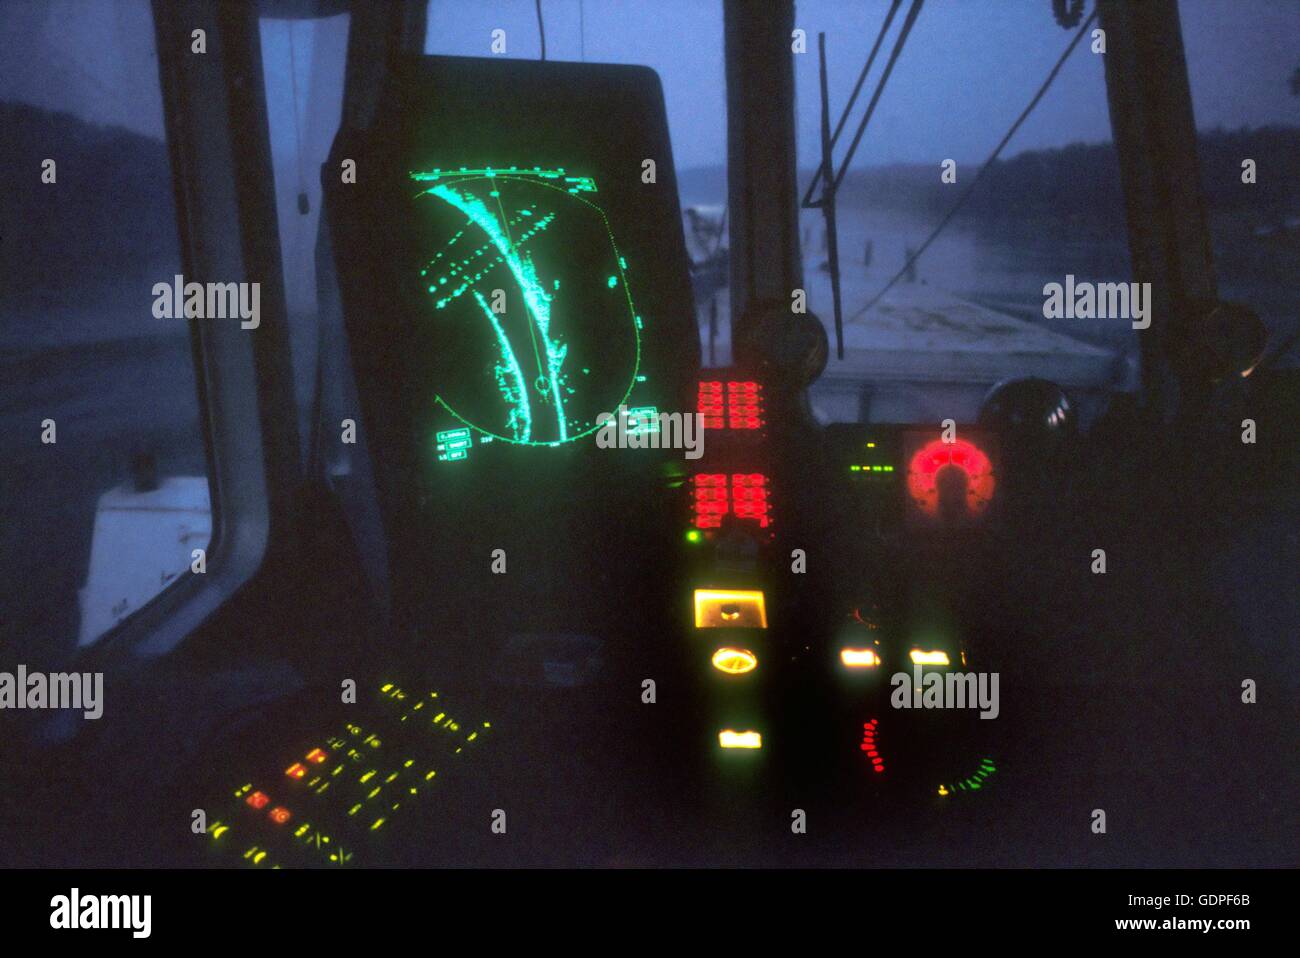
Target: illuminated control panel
column 732, row 517
column 731, row 483
column 332, row 798
column 936, row 479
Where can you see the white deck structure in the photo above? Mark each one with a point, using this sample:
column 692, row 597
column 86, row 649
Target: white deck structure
column 922, row 354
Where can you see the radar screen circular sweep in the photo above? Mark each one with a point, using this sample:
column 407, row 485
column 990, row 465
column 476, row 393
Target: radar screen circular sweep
column 531, row 322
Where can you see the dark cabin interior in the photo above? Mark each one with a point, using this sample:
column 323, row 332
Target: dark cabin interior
column 438, row 617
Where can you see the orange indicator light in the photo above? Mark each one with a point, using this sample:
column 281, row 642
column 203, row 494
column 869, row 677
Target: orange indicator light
column 258, row 800
column 296, row 770
column 280, row 815
column 316, row 755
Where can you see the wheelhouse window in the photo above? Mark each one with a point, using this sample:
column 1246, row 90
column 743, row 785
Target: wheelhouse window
column 1248, row 138
column 105, row 492
column 944, row 278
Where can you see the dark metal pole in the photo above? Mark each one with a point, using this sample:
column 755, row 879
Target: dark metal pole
column 762, row 184
column 1155, row 137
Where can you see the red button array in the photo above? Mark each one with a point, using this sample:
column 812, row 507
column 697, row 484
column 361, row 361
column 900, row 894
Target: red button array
column 743, row 405
column 745, row 497
column 735, row 405
column 710, row 404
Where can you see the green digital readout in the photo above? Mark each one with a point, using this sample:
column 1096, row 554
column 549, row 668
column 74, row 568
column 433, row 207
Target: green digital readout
column 643, row 420
column 529, row 303
column 453, row 444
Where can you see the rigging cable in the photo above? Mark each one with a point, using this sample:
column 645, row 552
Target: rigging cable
column 831, row 181
column 853, row 98
column 541, row 27
column 912, row 14
column 911, row 261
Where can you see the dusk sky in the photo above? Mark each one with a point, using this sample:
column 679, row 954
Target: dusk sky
column 968, row 69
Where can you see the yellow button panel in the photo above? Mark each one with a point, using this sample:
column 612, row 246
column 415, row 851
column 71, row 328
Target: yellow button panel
column 730, row 609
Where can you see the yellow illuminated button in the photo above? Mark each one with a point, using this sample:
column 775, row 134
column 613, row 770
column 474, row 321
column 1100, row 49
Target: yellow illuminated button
column 730, row 608
column 731, row 739
column 735, row 661
column 929, row 658
column 859, row 658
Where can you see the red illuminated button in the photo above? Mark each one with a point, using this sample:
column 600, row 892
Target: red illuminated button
column 279, row 815
column 258, row 800
column 316, row 755
column 296, row 770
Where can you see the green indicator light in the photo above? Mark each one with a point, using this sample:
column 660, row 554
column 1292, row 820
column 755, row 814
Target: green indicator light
column 612, row 281
column 694, row 535
column 972, row 783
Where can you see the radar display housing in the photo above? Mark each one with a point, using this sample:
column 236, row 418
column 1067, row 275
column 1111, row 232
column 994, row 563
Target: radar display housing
column 511, row 265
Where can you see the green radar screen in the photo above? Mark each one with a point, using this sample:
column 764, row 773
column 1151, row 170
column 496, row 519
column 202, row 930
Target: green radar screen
column 528, row 312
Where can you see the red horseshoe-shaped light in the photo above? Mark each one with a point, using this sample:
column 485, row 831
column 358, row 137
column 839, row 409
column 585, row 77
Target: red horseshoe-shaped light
column 923, row 472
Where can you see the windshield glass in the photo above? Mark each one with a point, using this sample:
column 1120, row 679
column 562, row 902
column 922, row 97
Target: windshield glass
column 943, row 277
